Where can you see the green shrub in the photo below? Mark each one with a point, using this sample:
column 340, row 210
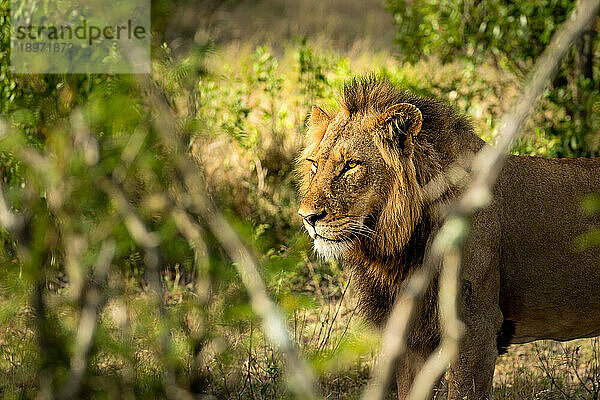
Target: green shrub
column 511, row 35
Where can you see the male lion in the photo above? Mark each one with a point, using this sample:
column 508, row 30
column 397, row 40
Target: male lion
column 364, row 175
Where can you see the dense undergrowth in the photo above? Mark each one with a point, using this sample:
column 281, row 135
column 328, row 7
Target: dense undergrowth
column 85, row 164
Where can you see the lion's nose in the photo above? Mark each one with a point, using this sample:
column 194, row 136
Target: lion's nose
column 312, row 218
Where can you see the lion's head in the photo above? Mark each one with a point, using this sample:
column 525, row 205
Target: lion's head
column 366, row 177
column 357, row 173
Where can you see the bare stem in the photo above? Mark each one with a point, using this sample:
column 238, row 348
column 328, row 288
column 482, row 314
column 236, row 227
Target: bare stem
column 299, row 376
column 485, row 169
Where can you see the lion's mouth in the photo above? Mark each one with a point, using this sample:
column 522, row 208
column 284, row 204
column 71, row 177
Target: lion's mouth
column 345, row 233
column 317, row 236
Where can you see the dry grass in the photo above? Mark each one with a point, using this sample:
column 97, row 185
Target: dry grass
column 347, row 38
column 348, row 26
column 549, row 370
column 339, row 343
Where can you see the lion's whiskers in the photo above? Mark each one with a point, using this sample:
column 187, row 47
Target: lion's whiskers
column 360, row 229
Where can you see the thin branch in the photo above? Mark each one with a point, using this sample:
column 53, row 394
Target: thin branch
column 193, row 233
column 485, row 169
column 88, row 321
column 8, row 220
column 451, row 326
column 149, row 241
column 20, row 227
column 300, row 376
column 337, row 311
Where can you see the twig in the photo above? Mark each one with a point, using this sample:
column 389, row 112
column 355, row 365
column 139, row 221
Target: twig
column 451, row 326
column 485, row 169
column 192, row 232
column 36, row 260
column 339, row 342
column 8, row 220
column 88, row 321
column 570, row 361
column 545, row 367
column 149, row 241
column 300, row 376
column 326, row 338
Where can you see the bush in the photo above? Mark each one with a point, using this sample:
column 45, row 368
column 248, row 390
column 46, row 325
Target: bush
column 110, row 229
column 511, row 35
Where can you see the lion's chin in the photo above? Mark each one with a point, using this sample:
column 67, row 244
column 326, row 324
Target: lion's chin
column 329, row 249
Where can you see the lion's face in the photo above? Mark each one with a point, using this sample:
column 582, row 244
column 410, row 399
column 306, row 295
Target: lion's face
column 346, row 180
column 346, row 177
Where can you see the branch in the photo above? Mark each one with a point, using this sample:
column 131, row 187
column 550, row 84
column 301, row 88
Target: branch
column 300, row 377
column 150, row 242
column 88, row 321
column 446, row 245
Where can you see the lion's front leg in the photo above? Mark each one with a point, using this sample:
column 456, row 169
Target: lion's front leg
column 408, row 368
column 471, row 375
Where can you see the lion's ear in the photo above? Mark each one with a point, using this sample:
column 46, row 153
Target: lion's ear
column 401, row 123
column 316, row 124
column 317, row 116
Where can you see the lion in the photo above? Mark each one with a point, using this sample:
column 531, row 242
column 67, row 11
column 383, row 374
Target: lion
column 363, row 179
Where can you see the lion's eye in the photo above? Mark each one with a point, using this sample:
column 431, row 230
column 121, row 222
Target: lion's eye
column 351, row 164
column 313, row 167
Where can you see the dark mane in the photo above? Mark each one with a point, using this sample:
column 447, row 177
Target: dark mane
column 445, row 136
column 443, row 127
column 369, row 93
